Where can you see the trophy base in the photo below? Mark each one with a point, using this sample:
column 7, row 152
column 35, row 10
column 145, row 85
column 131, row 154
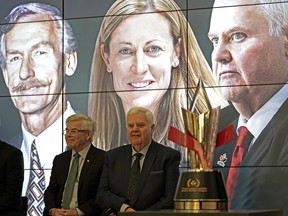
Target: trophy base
column 201, row 190
column 200, row 205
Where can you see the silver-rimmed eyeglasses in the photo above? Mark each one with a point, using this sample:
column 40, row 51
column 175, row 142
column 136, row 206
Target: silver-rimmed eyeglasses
column 73, row 131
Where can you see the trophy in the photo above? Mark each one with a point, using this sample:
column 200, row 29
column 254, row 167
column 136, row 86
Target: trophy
column 200, row 187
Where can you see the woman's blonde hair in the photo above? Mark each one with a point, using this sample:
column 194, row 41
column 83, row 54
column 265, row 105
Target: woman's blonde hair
column 104, row 104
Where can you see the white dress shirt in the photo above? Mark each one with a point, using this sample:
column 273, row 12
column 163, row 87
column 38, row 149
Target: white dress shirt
column 49, row 143
column 260, row 119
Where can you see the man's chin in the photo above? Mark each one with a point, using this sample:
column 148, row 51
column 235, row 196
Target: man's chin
column 136, row 142
column 28, row 109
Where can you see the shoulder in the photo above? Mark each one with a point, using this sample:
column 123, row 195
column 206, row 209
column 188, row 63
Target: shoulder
column 118, row 154
column 96, row 153
column 64, row 155
column 227, row 115
column 280, row 119
column 9, row 149
column 155, row 144
column 97, row 150
column 117, row 150
column 162, row 149
column 276, row 130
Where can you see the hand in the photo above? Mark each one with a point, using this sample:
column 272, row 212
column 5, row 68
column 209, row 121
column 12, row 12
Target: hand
column 70, row 212
column 64, row 212
column 56, row 212
column 129, row 209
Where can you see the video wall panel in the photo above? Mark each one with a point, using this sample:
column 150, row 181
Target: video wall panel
column 175, row 61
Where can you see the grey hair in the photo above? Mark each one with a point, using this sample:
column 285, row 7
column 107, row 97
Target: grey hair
column 276, row 13
column 69, row 40
column 136, row 110
column 86, row 122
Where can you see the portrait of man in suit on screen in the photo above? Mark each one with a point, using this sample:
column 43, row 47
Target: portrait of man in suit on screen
column 34, row 62
column 250, row 63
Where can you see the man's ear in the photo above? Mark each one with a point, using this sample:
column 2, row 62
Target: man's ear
column 105, row 57
column 71, row 63
column 153, row 128
column 286, row 41
column 89, row 136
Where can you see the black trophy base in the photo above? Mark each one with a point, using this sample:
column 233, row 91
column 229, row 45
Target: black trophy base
column 201, row 190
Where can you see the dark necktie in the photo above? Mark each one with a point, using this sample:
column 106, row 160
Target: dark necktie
column 243, row 141
column 36, row 186
column 133, row 179
column 68, row 191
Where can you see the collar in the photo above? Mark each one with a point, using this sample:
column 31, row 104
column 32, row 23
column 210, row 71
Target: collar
column 83, row 153
column 257, row 123
column 143, row 151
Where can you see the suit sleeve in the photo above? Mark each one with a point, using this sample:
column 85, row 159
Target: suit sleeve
column 13, row 173
column 106, row 198
column 171, row 168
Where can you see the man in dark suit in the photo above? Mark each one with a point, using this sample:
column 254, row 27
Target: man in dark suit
column 82, row 200
column 250, row 62
column 159, row 170
column 11, row 180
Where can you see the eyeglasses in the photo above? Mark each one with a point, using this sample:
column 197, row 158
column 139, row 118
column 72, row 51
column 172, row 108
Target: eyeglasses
column 73, row 131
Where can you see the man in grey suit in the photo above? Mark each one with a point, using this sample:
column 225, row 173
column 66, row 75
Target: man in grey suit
column 250, row 62
column 159, row 170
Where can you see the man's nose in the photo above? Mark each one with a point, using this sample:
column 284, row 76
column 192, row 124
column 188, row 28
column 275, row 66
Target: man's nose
column 26, row 70
column 135, row 128
column 221, row 53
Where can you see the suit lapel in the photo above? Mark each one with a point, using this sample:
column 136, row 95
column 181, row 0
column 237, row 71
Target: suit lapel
column 127, row 162
column 66, row 161
column 126, row 159
column 90, row 157
column 223, row 154
column 65, row 164
column 259, row 148
column 263, row 143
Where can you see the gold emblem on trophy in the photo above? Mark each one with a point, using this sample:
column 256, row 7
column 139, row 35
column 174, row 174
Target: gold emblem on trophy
column 200, row 187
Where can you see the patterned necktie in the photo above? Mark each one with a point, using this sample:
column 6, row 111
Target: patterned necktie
column 243, row 141
column 68, row 191
column 36, row 186
column 133, row 179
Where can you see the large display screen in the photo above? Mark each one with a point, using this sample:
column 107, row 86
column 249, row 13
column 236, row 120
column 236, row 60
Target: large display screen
column 85, row 21
column 121, row 60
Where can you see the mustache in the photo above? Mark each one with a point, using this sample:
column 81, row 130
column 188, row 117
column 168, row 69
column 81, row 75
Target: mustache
column 22, row 86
